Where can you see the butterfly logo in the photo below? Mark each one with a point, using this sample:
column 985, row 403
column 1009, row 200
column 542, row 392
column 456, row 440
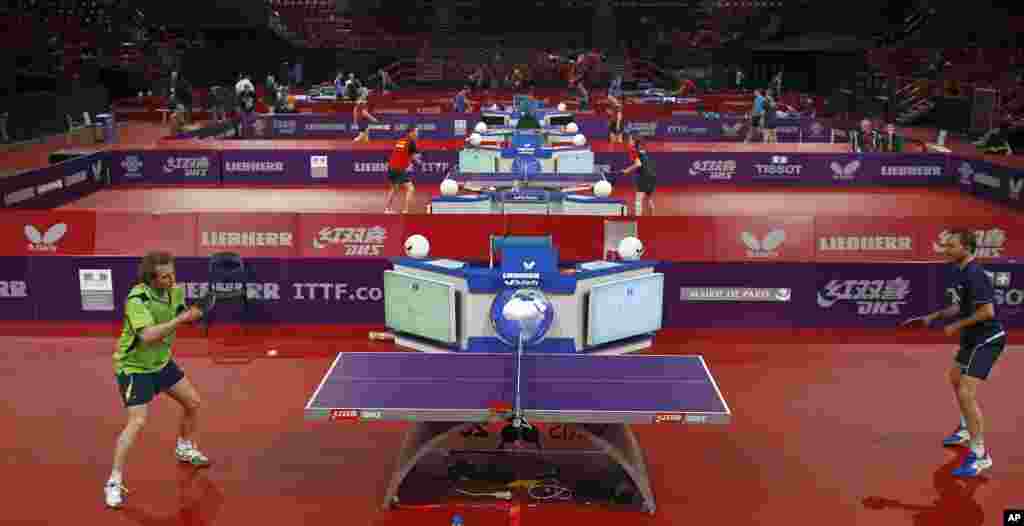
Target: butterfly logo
column 763, row 247
column 844, row 172
column 967, row 174
column 45, row 242
column 529, row 264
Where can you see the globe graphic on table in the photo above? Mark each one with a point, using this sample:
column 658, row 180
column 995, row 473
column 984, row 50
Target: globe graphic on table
column 538, row 315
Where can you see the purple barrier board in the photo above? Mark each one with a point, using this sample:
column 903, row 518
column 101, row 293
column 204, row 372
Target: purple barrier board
column 322, row 291
column 174, row 167
column 989, row 181
column 866, row 295
column 17, row 298
column 333, row 126
column 305, row 167
column 726, row 129
column 451, row 125
column 293, row 292
column 683, row 284
column 56, row 185
column 126, row 167
column 817, row 169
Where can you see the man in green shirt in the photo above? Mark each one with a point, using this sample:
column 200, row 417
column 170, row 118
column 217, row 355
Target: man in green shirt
column 143, row 365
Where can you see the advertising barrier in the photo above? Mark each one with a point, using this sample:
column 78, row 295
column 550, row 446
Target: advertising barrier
column 324, row 165
column 56, row 185
column 694, row 239
column 989, row 181
column 697, row 295
column 594, row 125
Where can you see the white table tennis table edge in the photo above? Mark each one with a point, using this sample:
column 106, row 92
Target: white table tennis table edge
column 715, row 383
column 323, row 381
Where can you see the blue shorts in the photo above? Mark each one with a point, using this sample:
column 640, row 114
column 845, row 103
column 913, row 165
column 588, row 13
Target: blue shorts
column 142, row 388
column 978, row 353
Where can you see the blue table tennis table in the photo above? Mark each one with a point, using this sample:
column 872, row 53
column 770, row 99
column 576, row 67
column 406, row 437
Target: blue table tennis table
column 449, row 393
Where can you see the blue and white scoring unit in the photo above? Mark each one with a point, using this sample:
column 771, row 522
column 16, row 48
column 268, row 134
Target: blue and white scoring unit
column 597, row 307
column 526, row 160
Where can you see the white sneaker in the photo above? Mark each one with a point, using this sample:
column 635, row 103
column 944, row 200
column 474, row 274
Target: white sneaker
column 191, row 455
column 113, row 492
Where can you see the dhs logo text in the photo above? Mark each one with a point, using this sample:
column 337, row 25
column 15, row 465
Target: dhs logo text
column 872, row 297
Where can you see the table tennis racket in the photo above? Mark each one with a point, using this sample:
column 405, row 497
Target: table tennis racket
column 919, row 320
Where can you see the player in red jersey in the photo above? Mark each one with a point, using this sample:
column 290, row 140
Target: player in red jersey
column 402, row 157
column 362, row 109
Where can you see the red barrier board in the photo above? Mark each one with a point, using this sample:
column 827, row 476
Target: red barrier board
column 764, row 238
column 350, row 236
column 47, row 232
column 247, row 234
column 998, row 237
column 868, row 239
column 667, row 238
column 457, row 236
column 578, row 238
column 135, row 233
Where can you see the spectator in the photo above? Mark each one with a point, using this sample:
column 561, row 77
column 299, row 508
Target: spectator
column 891, row 141
column 246, row 96
column 183, row 98
column 270, row 93
column 756, row 116
column 459, row 105
column 996, row 141
column 386, row 84
column 865, row 139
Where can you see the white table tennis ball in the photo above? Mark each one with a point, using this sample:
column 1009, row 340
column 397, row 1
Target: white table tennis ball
column 603, row 189
column 475, row 139
column 579, row 139
column 572, row 128
column 480, row 127
column 561, row 106
column 417, row 246
column 630, row 248
column 449, row 187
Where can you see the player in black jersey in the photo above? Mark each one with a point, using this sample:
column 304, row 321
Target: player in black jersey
column 982, row 340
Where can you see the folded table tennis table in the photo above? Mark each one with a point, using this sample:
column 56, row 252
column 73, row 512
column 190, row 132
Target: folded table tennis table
column 449, row 393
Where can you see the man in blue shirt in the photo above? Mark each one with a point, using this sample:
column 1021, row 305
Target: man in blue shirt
column 757, row 115
column 461, row 100
column 982, row 340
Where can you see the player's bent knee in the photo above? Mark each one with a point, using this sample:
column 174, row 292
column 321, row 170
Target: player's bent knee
column 193, row 404
column 965, row 391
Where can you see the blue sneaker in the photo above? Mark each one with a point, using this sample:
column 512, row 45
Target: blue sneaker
column 959, row 437
column 973, row 465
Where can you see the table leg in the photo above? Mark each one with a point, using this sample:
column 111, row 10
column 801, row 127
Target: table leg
column 421, row 439
column 620, row 444
column 617, row 441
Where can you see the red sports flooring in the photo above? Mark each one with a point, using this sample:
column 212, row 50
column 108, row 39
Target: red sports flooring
column 823, row 433
column 696, row 200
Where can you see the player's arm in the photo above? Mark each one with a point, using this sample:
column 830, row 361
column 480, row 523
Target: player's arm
column 146, row 327
column 631, row 168
column 943, row 314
